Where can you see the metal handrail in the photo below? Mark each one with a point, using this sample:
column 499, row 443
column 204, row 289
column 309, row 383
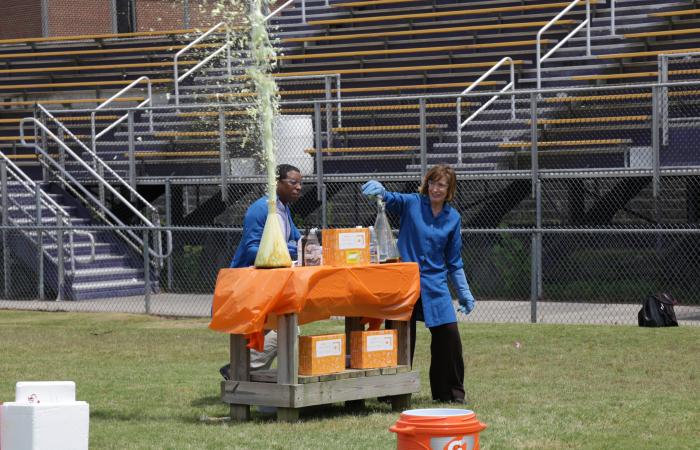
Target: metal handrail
column 31, row 186
column 662, row 69
column 471, row 87
column 59, row 212
column 284, row 6
column 147, row 101
column 586, row 23
column 133, row 192
column 37, row 123
column 226, row 46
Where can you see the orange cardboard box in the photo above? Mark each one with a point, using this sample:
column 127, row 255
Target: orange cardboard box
column 345, row 246
column 321, row 354
column 372, row 349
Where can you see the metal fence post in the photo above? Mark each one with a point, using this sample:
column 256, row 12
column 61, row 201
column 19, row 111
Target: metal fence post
column 536, row 235
column 324, row 207
column 132, row 154
column 317, row 144
column 60, row 257
column 423, row 139
column 536, row 295
column 168, row 223
column 5, row 255
column 146, row 273
column 223, row 156
column 39, row 243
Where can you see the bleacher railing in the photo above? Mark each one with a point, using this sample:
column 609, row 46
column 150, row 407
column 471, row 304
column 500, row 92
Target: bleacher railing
column 158, row 254
column 285, row 5
column 226, row 47
column 508, row 87
column 664, row 59
column 586, row 23
column 147, row 101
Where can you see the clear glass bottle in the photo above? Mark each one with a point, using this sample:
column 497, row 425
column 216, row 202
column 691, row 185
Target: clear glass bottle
column 312, row 249
column 373, row 259
column 387, row 252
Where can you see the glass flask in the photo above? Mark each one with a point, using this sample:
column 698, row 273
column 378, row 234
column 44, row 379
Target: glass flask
column 386, row 245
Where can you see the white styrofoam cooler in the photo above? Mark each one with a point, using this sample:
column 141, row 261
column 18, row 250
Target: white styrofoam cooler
column 292, row 135
column 43, row 416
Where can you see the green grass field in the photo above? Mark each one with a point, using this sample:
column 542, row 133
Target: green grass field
column 153, row 383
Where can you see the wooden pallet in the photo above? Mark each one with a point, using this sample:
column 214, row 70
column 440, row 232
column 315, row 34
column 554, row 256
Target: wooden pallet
column 289, row 392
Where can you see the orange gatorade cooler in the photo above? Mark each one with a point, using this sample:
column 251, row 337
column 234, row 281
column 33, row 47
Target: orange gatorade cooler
column 437, row 429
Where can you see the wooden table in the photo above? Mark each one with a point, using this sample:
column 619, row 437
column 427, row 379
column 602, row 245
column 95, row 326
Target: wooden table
column 284, row 388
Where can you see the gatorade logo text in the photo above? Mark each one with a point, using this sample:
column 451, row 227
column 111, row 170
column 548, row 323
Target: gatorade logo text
column 456, row 444
column 452, row 443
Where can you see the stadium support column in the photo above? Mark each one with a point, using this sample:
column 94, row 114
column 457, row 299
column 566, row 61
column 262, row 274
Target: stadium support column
column 185, row 14
column 45, row 18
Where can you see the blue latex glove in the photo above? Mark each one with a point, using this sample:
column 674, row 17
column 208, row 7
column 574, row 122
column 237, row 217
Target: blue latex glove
column 464, row 294
column 373, row 188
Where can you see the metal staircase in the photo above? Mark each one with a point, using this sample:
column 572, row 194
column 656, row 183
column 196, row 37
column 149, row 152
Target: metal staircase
column 124, row 255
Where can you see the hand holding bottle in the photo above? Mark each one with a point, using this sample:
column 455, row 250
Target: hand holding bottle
column 373, row 188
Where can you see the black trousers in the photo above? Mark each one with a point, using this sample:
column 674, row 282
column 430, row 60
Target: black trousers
column 446, row 363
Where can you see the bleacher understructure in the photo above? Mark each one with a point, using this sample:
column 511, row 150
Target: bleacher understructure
column 94, row 129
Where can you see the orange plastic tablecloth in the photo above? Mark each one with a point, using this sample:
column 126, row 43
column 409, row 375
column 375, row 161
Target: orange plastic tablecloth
column 248, row 300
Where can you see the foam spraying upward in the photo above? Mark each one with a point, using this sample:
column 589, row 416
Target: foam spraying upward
column 273, row 250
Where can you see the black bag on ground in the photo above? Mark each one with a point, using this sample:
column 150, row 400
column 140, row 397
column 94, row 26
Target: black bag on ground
column 657, row 311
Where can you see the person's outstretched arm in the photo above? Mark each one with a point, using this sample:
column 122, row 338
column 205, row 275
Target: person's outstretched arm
column 394, row 201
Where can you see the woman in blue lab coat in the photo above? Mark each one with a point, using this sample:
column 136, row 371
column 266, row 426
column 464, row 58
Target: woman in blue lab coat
column 430, row 235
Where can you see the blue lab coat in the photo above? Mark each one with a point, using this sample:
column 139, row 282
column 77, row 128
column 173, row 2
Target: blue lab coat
column 435, row 243
column 253, row 225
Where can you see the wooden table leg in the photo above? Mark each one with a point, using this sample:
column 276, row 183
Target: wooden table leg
column 400, row 402
column 239, row 371
column 287, row 360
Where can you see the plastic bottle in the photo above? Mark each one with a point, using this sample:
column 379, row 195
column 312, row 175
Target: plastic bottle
column 373, row 259
column 387, row 252
column 312, row 249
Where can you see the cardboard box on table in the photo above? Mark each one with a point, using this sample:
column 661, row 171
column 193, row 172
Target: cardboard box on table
column 373, row 349
column 321, row 354
column 345, row 246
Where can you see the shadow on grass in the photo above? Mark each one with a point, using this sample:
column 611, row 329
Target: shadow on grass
column 104, row 414
column 207, row 401
column 310, row 413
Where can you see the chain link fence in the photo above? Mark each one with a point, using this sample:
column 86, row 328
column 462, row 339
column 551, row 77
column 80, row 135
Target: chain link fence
column 573, row 206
